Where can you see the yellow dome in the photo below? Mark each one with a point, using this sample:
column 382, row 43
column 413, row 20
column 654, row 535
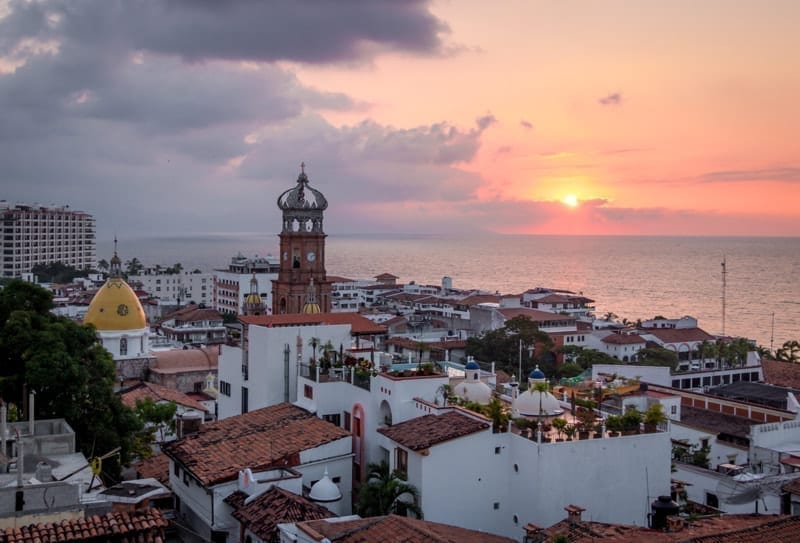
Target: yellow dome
column 311, row 308
column 253, row 299
column 116, row 307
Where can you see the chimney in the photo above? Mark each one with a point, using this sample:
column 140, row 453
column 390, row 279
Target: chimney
column 574, row 512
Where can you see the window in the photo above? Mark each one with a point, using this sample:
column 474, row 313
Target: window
column 308, row 392
column 712, row 500
column 401, row 461
column 347, row 420
column 497, row 450
column 123, row 346
column 335, row 419
column 704, row 443
column 225, row 388
column 176, row 470
column 673, row 410
column 244, row 400
column 496, row 506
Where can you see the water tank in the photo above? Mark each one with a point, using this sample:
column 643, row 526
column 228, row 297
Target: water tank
column 662, row 508
column 44, row 472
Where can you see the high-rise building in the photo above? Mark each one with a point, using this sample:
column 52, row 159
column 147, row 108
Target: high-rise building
column 36, row 234
column 302, row 284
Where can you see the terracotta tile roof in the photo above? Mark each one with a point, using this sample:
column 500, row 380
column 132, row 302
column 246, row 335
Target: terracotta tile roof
column 395, row 529
column 193, row 313
column 717, row 423
column 719, row 529
column 273, row 507
column 476, row 299
column 156, row 467
column 423, row 432
column 779, row 373
column 272, row 436
column 535, row 315
column 186, row 360
column 414, row 345
column 623, row 339
column 145, row 526
column 679, row 335
column 157, row 393
column 792, row 487
column 358, row 323
column 340, row 279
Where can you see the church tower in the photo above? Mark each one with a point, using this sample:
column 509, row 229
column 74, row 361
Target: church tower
column 253, row 304
column 302, row 251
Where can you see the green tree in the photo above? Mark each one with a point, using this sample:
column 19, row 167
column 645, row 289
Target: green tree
column 589, row 357
column 157, row 417
column 658, row 356
column 72, row 375
column 386, row 493
column 503, row 345
column 57, row 272
column 102, row 265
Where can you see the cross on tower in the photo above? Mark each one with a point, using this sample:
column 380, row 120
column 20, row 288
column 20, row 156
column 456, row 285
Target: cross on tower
column 302, row 167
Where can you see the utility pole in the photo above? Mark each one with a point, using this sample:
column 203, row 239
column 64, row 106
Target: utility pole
column 724, row 288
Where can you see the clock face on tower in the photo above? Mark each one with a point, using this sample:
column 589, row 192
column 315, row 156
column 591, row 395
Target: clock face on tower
column 311, row 256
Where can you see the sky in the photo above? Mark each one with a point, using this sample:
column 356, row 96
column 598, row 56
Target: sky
column 180, row 117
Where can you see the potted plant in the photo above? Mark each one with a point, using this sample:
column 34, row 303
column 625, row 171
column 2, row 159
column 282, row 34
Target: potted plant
column 631, row 420
column 560, row 425
column 570, row 430
column 653, row 417
column 614, row 425
column 585, row 422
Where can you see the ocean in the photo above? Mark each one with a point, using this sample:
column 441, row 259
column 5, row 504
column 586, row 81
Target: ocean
column 633, row 277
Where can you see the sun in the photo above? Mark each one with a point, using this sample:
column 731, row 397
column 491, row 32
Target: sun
column 570, row 200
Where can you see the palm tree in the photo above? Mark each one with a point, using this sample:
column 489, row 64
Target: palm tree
column 789, row 352
column 387, row 493
column 496, row 411
column 313, row 343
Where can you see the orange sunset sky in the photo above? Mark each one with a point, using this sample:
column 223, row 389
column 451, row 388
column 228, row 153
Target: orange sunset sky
column 606, row 117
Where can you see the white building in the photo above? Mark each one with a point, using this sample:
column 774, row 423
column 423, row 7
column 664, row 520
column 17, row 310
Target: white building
column 177, row 288
column 503, row 480
column 282, row 445
column 264, row 370
column 232, row 286
column 44, row 235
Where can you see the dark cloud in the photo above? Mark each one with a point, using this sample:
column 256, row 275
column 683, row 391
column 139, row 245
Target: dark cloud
column 313, row 31
column 786, row 175
column 613, row 99
column 526, row 124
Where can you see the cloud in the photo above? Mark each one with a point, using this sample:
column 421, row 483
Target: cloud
column 261, row 31
column 526, row 124
column 786, row 175
column 613, row 99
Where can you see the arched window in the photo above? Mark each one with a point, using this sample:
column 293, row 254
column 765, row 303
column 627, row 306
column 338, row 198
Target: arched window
column 123, row 346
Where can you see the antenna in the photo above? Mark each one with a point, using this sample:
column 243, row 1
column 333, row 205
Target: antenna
column 724, row 285
column 772, row 334
column 751, row 487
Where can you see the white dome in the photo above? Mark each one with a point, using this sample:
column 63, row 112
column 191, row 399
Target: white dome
column 474, row 391
column 527, row 404
column 325, row 490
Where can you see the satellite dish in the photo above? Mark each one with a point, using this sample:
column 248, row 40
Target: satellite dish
column 749, row 487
